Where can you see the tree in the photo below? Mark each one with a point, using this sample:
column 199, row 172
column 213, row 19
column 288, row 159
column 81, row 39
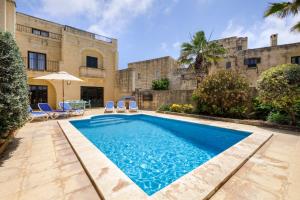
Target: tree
column 284, row 9
column 162, row 84
column 200, row 54
column 13, row 86
column 280, row 87
column 224, row 93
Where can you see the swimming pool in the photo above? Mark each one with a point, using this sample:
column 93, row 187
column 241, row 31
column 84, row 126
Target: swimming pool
column 152, row 151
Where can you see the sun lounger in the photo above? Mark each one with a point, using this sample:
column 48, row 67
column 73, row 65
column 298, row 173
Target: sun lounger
column 121, row 106
column 45, row 107
column 68, row 108
column 37, row 114
column 109, row 106
column 133, row 106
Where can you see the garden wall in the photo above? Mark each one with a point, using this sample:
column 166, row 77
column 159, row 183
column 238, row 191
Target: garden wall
column 152, row 99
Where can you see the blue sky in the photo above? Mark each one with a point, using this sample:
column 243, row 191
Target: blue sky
column 154, row 28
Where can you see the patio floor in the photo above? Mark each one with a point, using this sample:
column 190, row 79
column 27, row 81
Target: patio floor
column 40, row 164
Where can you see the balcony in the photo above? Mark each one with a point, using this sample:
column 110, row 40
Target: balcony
column 48, row 66
column 87, row 34
column 91, row 72
column 27, row 29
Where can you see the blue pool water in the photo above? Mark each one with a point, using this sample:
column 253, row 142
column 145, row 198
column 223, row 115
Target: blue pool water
column 153, row 152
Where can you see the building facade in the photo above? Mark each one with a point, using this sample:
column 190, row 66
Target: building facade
column 48, row 47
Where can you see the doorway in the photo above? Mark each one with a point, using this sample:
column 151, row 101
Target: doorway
column 93, row 94
column 38, row 94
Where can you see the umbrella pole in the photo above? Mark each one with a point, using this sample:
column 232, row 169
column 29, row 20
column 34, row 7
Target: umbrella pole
column 63, row 88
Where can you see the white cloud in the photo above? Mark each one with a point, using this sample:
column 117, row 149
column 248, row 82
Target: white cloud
column 259, row 32
column 164, row 47
column 176, row 45
column 105, row 17
column 66, row 8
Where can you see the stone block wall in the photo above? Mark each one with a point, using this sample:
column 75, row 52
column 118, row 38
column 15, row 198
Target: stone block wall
column 163, row 97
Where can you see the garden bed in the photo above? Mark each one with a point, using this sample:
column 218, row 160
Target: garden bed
column 260, row 123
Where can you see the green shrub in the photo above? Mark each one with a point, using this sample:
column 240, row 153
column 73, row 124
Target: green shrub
column 261, row 110
column 280, row 87
column 162, row 84
column 181, row 108
column 224, row 93
column 164, row 107
column 176, row 108
column 14, row 89
column 279, row 118
column 187, row 108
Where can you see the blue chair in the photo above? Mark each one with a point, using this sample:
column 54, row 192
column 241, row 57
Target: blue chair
column 45, row 107
column 109, row 106
column 68, row 108
column 121, row 106
column 37, row 115
column 133, row 106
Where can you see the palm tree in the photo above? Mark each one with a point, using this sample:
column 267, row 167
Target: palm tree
column 200, row 54
column 283, row 10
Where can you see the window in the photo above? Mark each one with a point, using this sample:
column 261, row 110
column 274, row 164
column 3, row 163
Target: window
column 252, row 62
column 40, row 32
column 228, row 65
column 92, row 62
column 139, row 76
column 240, row 47
column 37, row 61
column 295, row 60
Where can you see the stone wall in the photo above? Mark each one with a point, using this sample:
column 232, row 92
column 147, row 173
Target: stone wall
column 162, row 97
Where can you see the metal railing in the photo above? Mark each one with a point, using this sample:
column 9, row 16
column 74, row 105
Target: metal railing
column 28, row 29
column 41, row 65
column 87, row 34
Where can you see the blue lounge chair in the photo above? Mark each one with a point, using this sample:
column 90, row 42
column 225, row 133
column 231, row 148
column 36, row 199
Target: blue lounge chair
column 45, row 107
column 109, row 106
column 121, row 106
column 37, row 115
column 68, row 108
column 133, row 106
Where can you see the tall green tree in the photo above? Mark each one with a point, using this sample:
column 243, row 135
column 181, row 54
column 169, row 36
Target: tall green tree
column 284, row 9
column 200, row 53
column 13, row 86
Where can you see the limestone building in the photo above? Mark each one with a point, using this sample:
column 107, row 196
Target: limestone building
column 249, row 62
column 48, row 47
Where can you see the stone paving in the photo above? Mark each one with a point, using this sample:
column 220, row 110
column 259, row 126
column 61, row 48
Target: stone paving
column 40, row 164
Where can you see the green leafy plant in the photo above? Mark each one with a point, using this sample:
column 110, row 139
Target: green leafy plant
column 162, row 84
column 283, row 9
column 261, row 110
column 187, row 108
column 176, row 108
column 280, row 87
column 164, row 107
column 14, row 89
column 279, row 118
column 224, row 93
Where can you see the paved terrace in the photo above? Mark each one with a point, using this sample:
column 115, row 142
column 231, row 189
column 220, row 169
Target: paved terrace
column 40, row 164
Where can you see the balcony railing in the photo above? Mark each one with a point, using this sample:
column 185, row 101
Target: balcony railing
column 91, row 72
column 87, row 34
column 41, row 65
column 28, row 29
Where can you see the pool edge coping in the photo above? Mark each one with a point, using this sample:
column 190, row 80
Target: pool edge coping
column 201, row 183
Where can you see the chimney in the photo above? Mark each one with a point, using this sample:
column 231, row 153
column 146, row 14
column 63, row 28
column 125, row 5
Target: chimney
column 274, row 39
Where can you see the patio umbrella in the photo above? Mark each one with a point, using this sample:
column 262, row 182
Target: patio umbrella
column 63, row 76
